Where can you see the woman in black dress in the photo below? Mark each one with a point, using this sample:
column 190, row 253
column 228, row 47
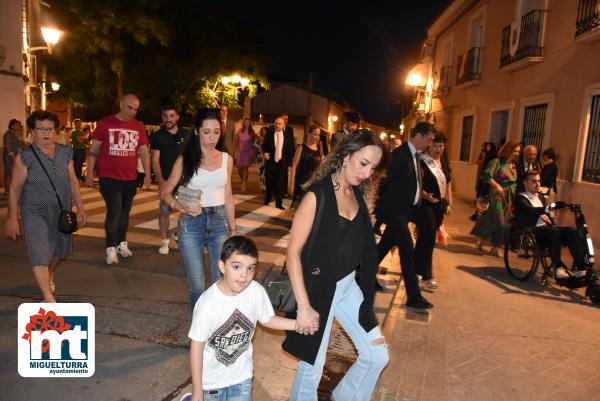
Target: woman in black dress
column 436, row 202
column 306, row 160
column 332, row 261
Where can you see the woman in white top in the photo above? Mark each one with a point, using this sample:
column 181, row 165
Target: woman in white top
column 201, row 166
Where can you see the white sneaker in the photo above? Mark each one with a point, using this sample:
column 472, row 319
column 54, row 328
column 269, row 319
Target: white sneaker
column 175, row 236
column 124, row 250
column 560, row 272
column 111, row 255
column 164, row 247
column 419, row 277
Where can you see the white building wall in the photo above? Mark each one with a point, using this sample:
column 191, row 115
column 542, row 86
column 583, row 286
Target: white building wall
column 12, row 95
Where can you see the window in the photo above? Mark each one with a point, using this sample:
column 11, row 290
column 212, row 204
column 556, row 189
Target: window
column 591, row 161
column 534, row 123
column 499, row 126
column 465, row 142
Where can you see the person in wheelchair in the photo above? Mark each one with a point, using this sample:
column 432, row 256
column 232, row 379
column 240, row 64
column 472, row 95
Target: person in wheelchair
column 530, row 212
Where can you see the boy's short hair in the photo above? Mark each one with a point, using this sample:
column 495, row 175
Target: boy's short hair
column 239, row 244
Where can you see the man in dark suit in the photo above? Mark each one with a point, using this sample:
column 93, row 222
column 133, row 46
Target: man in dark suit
column 227, row 129
column 351, row 122
column 400, row 195
column 530, row 212
column 278, row 152
column 527, row 162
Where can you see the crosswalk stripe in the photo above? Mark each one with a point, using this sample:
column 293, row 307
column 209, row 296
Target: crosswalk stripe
column 252, row 220
column 153, row 224
column 101, row 203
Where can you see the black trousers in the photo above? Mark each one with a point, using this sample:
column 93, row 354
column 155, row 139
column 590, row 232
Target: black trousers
column 555, row 238
column 275, row 177
column 429, row 218
column 78, row 158
column 397, row 233
column 118, row 196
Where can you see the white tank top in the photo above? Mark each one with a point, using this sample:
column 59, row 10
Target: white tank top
column 211, row 183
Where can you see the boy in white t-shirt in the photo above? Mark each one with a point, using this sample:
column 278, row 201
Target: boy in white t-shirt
column 223, row 325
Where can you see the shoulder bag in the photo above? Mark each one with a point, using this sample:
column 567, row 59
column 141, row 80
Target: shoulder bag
column 67, row 220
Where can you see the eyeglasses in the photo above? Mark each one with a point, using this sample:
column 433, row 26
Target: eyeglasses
column 46, row 130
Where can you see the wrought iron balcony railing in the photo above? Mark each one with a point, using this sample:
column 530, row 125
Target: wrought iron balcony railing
column 471, row 67
column 530, row 40
column 588, row 16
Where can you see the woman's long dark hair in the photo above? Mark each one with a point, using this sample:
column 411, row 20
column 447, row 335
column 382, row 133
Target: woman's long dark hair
column 353, row 143
column 192, row 152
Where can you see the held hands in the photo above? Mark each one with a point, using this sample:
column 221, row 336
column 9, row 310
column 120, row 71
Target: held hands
column 266, row 156
column 307, row 321
column 191, row 212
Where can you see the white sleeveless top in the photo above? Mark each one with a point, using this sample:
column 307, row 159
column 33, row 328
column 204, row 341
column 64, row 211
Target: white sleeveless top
column 211, row 183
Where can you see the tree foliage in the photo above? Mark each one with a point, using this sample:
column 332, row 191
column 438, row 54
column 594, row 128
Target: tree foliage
column 162, row 50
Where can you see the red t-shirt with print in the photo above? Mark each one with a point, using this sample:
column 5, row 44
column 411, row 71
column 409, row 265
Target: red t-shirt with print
column 120, row 143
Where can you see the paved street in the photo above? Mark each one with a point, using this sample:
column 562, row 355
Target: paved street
column 487, row 338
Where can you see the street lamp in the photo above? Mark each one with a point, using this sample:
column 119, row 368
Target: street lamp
column 51, row 37
column 420, row 79
column 55, row 86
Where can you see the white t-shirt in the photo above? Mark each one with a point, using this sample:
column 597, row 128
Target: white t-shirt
column 226, row 325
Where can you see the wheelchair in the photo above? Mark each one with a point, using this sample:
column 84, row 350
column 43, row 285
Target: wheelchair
column 523, row 255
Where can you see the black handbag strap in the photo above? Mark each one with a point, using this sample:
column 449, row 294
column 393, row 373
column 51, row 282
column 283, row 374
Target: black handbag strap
column 47, row 175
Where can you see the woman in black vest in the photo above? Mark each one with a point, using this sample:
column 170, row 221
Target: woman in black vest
column 332, row 262
column 436, row 202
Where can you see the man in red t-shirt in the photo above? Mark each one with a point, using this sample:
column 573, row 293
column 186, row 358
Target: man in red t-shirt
column 117, row 141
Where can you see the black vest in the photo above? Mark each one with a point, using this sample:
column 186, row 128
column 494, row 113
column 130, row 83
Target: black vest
column 319, row 270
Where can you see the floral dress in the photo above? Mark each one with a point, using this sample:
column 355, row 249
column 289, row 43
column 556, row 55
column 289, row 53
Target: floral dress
column 493, row 225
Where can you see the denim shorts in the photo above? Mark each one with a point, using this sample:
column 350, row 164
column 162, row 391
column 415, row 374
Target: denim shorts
column 236, row 392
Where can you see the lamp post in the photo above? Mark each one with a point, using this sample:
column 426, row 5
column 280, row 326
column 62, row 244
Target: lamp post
column 51, row 37
column 420, row 79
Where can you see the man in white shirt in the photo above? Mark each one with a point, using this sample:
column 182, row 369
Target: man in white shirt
column 278, row 152
column 531, row 212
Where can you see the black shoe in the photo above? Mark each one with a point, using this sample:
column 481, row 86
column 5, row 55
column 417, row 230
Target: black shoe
column 378, row 286
column 418, row 304
column 280, row 207
column 266, row 203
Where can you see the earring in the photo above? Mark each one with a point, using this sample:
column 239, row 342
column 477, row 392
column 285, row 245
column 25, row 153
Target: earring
column 344, row 164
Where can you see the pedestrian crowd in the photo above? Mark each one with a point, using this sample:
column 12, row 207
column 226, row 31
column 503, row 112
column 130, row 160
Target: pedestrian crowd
column 337, row 187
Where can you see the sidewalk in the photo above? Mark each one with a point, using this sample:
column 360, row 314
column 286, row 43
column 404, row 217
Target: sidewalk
column 490, row 337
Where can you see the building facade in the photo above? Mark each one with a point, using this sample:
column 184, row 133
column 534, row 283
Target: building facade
column 523, row 70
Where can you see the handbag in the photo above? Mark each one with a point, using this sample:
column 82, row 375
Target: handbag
column 277, row 284
column 67, row 220
column 189, row 198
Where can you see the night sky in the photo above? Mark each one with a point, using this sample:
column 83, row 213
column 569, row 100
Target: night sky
column 359, row 51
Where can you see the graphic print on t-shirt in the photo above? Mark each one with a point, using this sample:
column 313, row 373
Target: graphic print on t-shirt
column 122, row 142
column 231, row 339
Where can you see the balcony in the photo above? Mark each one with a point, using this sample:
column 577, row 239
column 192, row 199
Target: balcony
column 443, row 87
column 469, row 71
column 526, row 40
column 588, row 21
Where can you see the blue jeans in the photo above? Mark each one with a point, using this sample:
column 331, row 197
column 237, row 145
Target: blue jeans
column 236, row 392
column 359, row 383
column 207, row 229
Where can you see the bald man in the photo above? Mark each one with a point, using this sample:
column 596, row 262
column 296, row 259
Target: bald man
column 116, row 144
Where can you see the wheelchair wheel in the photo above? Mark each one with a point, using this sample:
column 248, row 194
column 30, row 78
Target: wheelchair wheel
column 521, row 255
